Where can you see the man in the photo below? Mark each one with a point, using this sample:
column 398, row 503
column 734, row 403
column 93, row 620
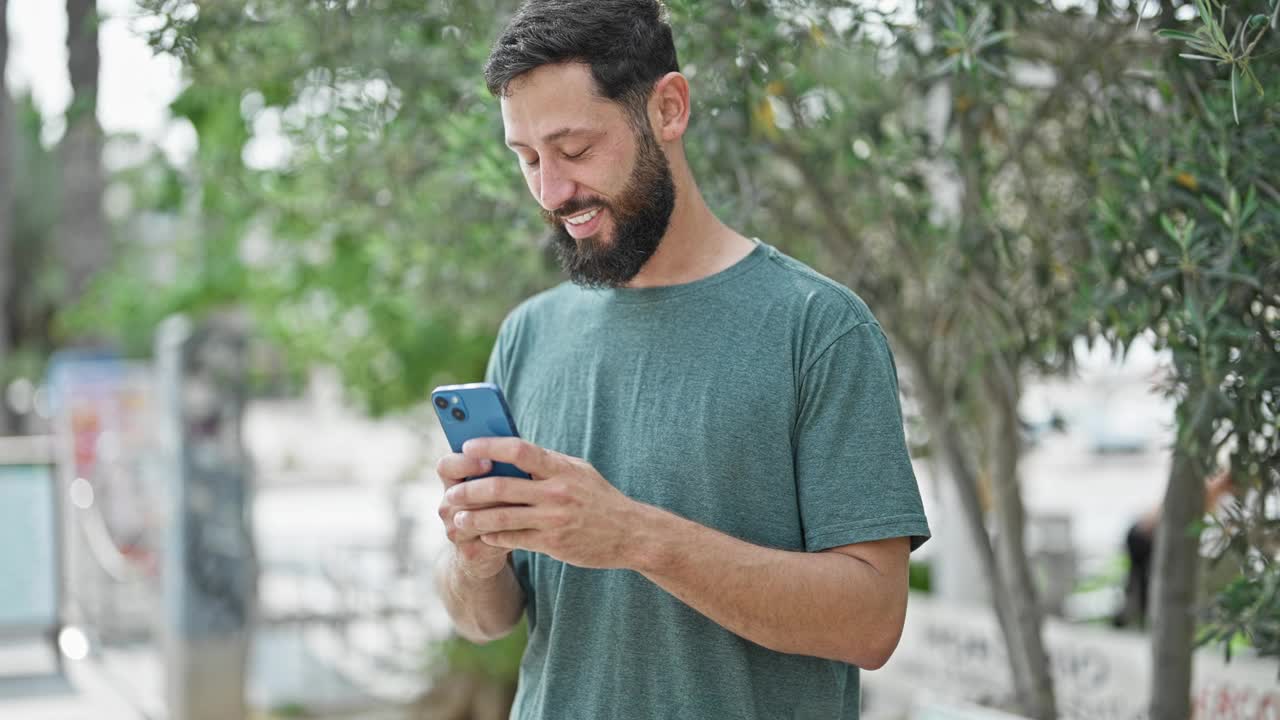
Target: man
column 722, row 505
column 1140, row 543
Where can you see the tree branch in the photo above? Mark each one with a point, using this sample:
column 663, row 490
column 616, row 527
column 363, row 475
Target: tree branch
column 1071, row 76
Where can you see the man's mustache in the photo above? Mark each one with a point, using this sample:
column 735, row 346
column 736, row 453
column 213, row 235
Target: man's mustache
column 571, row 208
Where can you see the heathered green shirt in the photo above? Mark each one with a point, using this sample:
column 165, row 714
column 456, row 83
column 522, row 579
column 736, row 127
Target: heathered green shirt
column 761, row 401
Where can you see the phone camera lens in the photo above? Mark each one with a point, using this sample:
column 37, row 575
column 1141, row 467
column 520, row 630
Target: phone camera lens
column 441, row 402
column 458, row 414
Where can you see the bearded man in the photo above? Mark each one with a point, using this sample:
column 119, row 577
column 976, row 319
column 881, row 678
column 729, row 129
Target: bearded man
column 721, row 506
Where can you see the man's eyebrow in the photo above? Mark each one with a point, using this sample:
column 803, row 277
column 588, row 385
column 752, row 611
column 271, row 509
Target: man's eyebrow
column 560, row 134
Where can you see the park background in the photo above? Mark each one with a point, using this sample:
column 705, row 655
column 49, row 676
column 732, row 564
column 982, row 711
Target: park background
column 240, row 241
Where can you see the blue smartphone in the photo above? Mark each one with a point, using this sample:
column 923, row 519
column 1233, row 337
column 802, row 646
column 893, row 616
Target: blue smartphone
column 475, row 410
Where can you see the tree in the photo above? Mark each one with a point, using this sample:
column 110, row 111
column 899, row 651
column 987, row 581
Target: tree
column 6, row 213
column 82, row 238
column 36, row 293
column 947, row 188
column 46, row 255
column 1187, row 242
column 853, row 171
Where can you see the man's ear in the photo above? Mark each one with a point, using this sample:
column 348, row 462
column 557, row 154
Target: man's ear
column 669, row 107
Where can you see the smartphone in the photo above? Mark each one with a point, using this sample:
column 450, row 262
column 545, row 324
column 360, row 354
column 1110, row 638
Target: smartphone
column 475, row 410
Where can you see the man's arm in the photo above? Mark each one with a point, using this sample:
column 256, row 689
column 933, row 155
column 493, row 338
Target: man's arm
column 847, row 604
column 482, row 609
column 475, row 580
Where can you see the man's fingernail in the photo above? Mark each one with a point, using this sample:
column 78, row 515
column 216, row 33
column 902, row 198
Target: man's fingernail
column 460, row 518
column 486, row 464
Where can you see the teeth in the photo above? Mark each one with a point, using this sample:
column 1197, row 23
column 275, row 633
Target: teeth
column 580, row 219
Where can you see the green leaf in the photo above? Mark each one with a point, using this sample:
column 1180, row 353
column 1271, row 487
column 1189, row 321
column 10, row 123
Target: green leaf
column 1250, row 204
column 994, row 38
column 1235, row 109
column 1216, row 209
column 1217, row 305
column 1248, row 74
column 1206, row 15
column 1176, row 35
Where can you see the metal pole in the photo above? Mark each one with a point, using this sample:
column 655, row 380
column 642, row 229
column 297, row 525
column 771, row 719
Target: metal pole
column 210, row 569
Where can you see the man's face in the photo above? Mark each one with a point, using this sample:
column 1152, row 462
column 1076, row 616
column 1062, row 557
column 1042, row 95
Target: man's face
column 605, row 189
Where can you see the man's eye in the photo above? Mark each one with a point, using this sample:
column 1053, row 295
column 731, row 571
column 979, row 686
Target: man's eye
column 529, row 163
column 579, row 154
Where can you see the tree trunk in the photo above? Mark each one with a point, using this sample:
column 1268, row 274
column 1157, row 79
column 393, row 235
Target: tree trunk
column 963, row 474
column 1176, row 568
column 7, row 145
column 1023, row 622
column 1031, row 684
column 83, row 243
column 1010, row 518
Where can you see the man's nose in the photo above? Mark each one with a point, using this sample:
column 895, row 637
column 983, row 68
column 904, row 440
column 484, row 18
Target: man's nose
column 555, row 188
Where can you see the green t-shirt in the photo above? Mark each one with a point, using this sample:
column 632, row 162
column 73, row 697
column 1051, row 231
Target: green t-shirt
column 761, row 401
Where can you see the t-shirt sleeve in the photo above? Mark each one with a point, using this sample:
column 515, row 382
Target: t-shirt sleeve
column 853, row 474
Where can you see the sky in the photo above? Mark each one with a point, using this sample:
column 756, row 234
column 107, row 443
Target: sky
column 135, row 86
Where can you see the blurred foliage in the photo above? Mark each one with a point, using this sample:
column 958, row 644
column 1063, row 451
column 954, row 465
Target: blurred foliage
column 920, row 577
column 347, row 187
column 1111, row 574
column 288, row 710
column 1186, row 232
column 498, row 661
column 38, row 290
column 391, row 232
column 1246, row 612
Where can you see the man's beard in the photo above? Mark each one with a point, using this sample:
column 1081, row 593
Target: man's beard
column 640, row 215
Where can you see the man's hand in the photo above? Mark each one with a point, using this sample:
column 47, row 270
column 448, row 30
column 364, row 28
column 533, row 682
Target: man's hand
column 474, row 558
column 568, row 510
column 845, row 604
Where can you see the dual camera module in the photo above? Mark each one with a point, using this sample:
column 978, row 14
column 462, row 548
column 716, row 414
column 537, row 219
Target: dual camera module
column 443, row 403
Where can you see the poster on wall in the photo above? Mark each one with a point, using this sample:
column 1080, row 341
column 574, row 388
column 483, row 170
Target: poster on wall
column 104, row 430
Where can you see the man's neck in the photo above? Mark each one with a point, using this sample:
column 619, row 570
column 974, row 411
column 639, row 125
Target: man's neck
column 696, row 244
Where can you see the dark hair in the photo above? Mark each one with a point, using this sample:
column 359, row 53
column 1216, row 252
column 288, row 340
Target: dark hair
column 626, row 43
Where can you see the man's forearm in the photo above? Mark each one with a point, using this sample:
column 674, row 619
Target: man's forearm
column 482, row 609
column 827, row 605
